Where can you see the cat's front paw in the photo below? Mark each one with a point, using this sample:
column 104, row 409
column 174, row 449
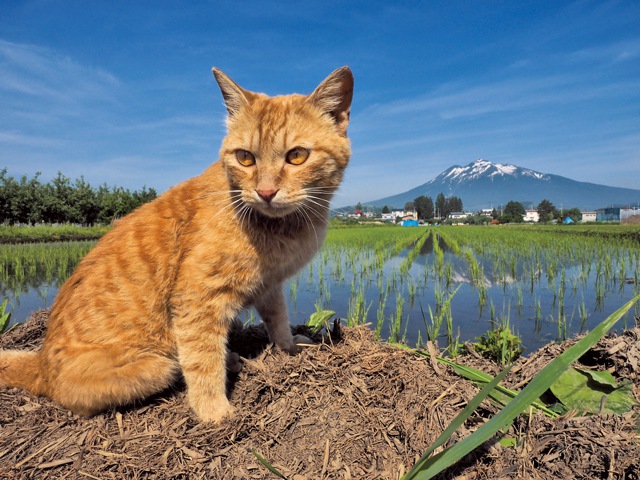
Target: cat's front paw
column 213, row 411
column 299, row 342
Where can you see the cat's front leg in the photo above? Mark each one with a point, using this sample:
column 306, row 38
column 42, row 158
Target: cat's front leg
column 272, row 308
column 201, row 337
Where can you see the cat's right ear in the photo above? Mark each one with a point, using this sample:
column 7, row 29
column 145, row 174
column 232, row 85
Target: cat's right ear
column 234, row 96
column 334, row 95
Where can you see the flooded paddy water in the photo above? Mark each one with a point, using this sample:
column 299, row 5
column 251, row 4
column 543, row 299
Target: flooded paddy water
column 450, row 284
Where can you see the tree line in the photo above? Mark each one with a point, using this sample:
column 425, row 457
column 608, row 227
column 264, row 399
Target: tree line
column 427, row 209
column 30, row 201
column 514, row 212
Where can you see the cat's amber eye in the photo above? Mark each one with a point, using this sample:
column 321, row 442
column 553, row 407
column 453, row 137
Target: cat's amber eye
column 245, row 158
column 297, row 155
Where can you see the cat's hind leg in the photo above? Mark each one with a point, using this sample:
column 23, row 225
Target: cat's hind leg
column 92, row 379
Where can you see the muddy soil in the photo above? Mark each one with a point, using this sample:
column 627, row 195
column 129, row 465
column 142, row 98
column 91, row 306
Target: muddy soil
column 346, row 408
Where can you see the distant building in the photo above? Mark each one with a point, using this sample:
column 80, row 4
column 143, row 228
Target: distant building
column 628, row 212
column 616, row 214
column 409, row 216
column 393, row 216
column 531, row 216
column 409, row 223
column 357, row 214
column 589, row 216
column 611, row 214
column 457, row 215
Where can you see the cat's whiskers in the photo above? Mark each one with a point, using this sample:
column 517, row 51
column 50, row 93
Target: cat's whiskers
column 246, row 212
column 321, row 216
column 316, row 200
column 213, row 193
column 227, row 205
column 301, row 209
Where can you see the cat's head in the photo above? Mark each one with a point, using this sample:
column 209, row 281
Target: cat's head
column 286, row 154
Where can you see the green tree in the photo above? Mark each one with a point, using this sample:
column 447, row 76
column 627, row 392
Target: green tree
column 440, row 205
column 546, row 210
column 574, row 213
column 29, row 201
column 409, row 207
column 424, row 207
column 452, row 204
column 513, row 212
column 85, row 199
column 385, row 209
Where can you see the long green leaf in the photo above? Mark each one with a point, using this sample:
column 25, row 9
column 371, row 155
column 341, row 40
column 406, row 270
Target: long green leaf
column 500, row 394
column 536, row 387
column 461, row 418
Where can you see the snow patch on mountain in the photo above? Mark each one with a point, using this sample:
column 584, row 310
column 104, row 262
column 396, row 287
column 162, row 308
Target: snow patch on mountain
column 483, row 168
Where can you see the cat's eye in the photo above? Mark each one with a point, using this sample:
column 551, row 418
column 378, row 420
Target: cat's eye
column 245, row 158
column 297, row 155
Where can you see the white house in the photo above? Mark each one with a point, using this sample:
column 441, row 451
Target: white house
column 588, row 216
column 531, row 216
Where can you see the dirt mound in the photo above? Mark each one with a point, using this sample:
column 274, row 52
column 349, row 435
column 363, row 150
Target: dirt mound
column 349, row 407
column 632, row 220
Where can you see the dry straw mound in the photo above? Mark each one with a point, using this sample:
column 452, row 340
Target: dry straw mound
column 349, row 407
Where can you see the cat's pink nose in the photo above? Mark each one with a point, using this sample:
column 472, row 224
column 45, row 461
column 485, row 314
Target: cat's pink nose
column 267, row 195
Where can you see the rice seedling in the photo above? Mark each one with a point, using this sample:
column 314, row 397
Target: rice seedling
column 380, row 315
column 500, row 343
column 396, row 321
column 358, row 308
column 5, row 316
column 411, row 290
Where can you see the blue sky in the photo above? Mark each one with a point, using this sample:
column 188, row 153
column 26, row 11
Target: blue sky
column 122, row 92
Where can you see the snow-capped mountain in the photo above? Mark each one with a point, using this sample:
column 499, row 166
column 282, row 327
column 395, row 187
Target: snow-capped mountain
column 481, row 168
column 483, row 184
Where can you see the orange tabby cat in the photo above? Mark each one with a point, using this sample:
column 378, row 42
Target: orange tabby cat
column 156, row 296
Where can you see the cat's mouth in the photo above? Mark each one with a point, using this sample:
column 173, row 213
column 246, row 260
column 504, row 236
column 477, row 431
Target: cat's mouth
column 272, row 209
column 271, row 203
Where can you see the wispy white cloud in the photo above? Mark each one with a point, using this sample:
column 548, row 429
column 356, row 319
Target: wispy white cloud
column 59, row 114
column 41, row 72
column 10, row 138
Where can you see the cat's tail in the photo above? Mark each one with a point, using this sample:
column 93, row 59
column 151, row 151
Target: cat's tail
column 21, row 369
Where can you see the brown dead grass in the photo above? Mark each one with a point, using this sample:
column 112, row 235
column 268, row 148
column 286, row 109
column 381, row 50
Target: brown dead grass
column 347, row 408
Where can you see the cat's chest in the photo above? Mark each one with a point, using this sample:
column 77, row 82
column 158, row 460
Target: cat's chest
column 281, row 258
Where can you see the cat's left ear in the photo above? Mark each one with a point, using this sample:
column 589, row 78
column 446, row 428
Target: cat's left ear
column 235, row 97
column 334, row 95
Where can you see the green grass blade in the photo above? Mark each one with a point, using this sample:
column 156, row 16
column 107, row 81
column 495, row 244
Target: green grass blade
column 536, row 387
column 270, row 467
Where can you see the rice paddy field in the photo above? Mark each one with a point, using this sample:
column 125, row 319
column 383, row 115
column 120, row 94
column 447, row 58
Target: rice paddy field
column 453, row 284
column 410, row 284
